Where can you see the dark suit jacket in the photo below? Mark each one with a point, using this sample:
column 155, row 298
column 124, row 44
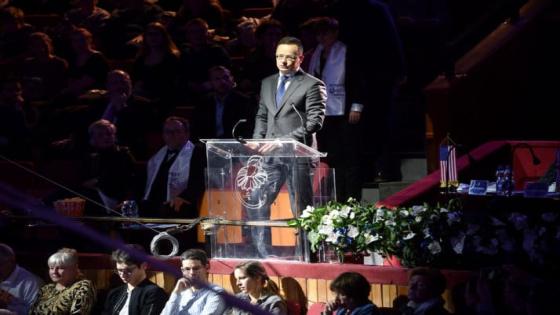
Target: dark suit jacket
column 306, row 94
column 146, row 299
column 236, row 106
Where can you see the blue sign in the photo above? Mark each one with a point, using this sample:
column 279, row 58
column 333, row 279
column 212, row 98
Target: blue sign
column 478, row 187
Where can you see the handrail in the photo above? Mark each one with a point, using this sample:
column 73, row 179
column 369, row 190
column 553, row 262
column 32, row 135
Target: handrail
column 499, row 37
column 205, row 221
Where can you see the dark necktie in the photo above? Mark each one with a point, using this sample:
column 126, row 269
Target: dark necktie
column 281, row 89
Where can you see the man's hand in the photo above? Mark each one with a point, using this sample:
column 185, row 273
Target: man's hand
column 177, row 203
column 252, row 145
column 354, row 117
column 182, row 285
column 264, row 148
column 331, row 306
column 267, row 147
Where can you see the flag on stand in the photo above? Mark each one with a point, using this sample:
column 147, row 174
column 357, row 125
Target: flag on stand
column 448, row 166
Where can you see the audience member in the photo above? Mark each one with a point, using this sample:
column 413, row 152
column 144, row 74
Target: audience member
column 44, row 73
column 379, row 53
column 88, row 15
column 88, row 67
column 261, row 62
column 209, row 10
column 175, row 178
column 245, row 41
column 425, row 287
column 136, row 13
column 257, row 288
column 198, row 55
column 292, row 13
column 342, row 132
column 351, row 291
column 138, row 295
column 155, row 68
column 14, row 132
column 18, row 287
column 509, row 289
column 194, row 294
column 14, row 34
column 69, row 293
column 106, row 173
column 128, row 21
column 133, row 115
column 109, row 168
column 220, row 110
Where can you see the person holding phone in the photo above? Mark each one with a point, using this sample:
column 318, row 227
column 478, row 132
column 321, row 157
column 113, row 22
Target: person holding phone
column 351, row 291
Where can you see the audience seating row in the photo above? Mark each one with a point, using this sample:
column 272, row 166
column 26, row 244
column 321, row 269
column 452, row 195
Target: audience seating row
column 302, row 284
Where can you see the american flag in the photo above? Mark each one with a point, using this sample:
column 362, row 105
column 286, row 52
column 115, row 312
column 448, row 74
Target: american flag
column 448, row 166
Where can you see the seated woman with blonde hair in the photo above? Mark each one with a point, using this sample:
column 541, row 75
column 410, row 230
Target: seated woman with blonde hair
column 69, row 293
column 257, row 288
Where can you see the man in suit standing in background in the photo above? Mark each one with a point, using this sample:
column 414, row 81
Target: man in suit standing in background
column 218, row 112
column 292, row 105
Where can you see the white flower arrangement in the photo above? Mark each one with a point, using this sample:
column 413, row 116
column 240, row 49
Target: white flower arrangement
column 440, row 236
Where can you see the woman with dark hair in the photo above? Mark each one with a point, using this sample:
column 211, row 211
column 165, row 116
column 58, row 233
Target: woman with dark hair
column 44, row 73
column 88, row 67
column 155, row 68
column 351, row 291
column 257, row 288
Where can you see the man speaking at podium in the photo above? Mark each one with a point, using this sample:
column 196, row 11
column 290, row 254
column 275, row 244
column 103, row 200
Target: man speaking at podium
column 292, row 105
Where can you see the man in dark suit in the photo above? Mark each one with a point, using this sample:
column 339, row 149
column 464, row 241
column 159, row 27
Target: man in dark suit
column 292, row 105
column 217, row 113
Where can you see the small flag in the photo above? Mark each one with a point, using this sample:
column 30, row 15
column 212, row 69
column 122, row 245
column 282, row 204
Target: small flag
column 448, row 166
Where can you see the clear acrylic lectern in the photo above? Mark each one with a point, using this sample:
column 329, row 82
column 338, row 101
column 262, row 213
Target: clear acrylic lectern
column 257, row 184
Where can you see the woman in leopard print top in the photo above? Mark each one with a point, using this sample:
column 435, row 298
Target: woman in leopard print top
column 69, row 293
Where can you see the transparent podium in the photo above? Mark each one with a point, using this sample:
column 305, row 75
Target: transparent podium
column 253, row 187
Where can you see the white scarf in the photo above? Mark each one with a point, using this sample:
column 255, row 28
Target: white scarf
column 179, row 171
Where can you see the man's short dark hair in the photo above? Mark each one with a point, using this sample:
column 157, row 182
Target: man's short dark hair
column 182, row 120
column 6, row 253
column 352, row 284
column 289, row 40
column 195, row 254
column 120, row 256
column 436, row 279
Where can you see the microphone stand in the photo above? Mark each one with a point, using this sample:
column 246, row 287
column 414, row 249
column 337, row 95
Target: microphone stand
column 303, row 238
column 238, row 138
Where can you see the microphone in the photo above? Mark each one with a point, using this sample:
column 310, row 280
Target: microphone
column 534, row 157
column 302, row 122
column 238, row 138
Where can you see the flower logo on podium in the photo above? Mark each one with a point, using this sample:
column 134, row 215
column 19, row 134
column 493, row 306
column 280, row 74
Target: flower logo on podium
column 250, row 178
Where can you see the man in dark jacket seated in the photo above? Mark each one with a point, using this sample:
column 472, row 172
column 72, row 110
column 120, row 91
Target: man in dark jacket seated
column 138, row 294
